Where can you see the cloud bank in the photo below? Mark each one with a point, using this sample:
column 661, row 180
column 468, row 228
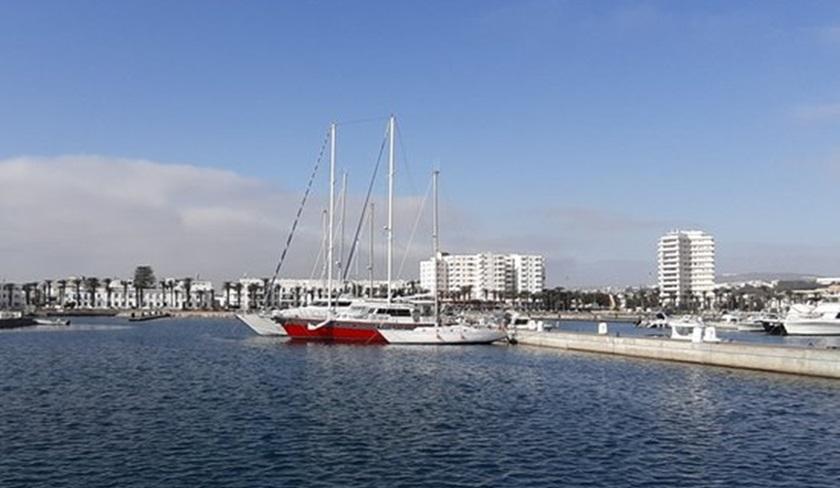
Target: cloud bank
column 101, row 216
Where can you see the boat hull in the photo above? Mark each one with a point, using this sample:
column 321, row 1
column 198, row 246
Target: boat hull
column 446, row 335
column 350, row 332
column 812, row 327
column 261, row 324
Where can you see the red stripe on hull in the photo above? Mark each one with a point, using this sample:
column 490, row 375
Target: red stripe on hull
column 334, row 333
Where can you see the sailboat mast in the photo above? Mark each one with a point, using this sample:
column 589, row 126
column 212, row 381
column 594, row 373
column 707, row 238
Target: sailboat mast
column 322, row 254
column 391, row 124
column 331, row 219
column 341, row 263
column 370, row 252
column 436, row 244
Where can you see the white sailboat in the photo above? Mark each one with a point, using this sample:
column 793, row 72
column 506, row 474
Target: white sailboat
column 439, row 334
column 262, row 323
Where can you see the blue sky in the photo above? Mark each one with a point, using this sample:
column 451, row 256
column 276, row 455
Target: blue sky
column 581, row 130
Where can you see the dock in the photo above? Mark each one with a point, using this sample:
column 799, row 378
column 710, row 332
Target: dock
column 761, row 357
column 146, row 316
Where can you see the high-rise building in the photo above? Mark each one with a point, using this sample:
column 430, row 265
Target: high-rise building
column 484, row 276
column 686, row 267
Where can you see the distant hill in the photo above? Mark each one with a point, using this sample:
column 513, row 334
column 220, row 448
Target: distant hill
column 742, row 277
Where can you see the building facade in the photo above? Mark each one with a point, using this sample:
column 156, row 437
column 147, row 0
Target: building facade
column 686, row 267
column 108, row 293
column 249, row 293
column 483, row 276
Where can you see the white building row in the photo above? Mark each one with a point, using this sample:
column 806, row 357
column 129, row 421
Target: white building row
column 107, row 293
column 686, row 270
column 483, row 276
column 249, row 293
column 245, row 293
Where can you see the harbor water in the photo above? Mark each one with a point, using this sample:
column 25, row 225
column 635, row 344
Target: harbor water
column 202, row 402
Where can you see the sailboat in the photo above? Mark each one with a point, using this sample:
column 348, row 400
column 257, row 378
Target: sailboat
column 263, row 323
column 377, row 321
column 439, row 333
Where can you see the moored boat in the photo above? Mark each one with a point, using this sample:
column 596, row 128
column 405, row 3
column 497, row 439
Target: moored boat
column 820, row 320
column 689, row 328
column 443, row 334
column 263, row 324
column 51, row 322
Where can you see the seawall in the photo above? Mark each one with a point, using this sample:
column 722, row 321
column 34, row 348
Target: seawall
column 761, row 357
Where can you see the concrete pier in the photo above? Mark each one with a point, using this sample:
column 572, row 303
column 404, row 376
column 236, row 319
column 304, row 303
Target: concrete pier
column 762, row 357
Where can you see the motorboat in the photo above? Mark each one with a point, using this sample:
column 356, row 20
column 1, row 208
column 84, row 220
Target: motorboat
column 660, row 320
column 51, row 322
column 727, row 321
column 524, row 322
column 820, row 320
column 690, row 328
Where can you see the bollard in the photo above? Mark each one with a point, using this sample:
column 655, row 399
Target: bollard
column 710, row 335
column 697, row 335
column 602, row 328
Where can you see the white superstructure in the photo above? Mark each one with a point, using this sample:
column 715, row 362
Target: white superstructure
column 686, row 267
column 483, row 276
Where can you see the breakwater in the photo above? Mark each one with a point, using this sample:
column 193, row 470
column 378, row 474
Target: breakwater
column 779, row 359
column 603, row 316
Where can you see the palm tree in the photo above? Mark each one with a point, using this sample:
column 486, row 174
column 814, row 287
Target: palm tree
column 77, row 285
column 252, row 294
column 62, row 291
column 27, row 293
column 91, row 284
column 124, row 284
column 200, row 293
column 186, row 283
column 106, row 282
column 226, row 288
column 238, row 287
column 10, row 288
column 47, row 292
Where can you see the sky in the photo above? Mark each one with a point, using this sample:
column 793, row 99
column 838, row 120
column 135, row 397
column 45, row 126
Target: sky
column 182, row 134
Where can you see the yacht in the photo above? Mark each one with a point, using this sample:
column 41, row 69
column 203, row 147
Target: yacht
column 524, row 322
column 822, row 319
column 659, row 321
column 690, row 328
column 389, row 321
column 264, row 323
column 727, row 321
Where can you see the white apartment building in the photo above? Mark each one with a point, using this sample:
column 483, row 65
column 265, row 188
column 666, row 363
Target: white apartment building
column 483, row 276
column 11, row 296
column 686, row 267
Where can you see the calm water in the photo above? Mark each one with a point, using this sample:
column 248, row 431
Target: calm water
column 205, row 403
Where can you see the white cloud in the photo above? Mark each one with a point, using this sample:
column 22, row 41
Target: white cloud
column 100, row 216
column 90, row 215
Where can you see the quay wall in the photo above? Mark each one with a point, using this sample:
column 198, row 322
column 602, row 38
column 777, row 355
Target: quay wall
column 589, row 316
column 762, row 357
